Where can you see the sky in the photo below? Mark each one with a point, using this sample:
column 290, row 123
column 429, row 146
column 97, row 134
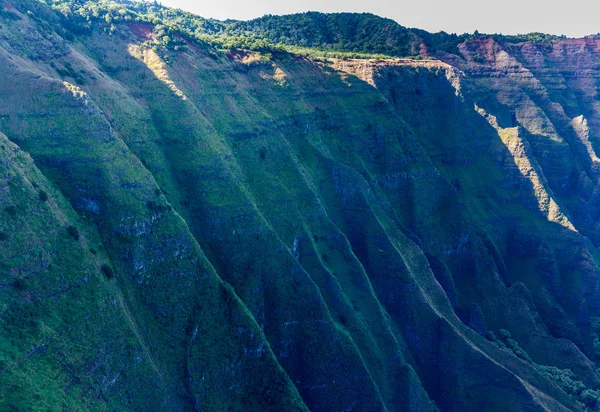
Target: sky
column 573, row 18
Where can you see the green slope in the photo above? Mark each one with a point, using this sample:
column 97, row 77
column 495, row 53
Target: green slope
column 187, row 228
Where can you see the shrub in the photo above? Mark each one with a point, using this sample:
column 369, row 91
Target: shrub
column 11, row 210
column 73, row 232
column 21, row 284
column 43, row 196
column 108, row 272
column 565, row 378
column 513, row 345
column 157, row 207
column 590, row 398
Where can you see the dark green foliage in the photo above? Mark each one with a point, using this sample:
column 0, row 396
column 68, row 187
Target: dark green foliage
column 341, row 35
column 535, row 37
column 93, row 251
column 73, row 232
column 3, row 236
column 43, row 195
column 11, row 210
column 513, row 345
column 565, row 378
column 590, row 398
column 107, row 271
column 167, row 36
column 22, row 284
column 351, row 32
column 171, row 26
column 359, row 33
column 157, row 207
column 68, row 71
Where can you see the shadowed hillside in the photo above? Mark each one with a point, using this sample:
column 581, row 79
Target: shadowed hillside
column 195, row 217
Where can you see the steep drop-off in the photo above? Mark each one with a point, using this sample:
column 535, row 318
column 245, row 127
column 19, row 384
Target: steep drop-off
column 203, row 230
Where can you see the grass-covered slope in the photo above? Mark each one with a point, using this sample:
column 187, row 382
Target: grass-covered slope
column 186, row 228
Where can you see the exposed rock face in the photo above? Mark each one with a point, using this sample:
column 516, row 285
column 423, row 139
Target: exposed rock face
column 232, row 232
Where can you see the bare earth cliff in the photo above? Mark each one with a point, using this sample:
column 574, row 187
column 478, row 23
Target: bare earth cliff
column 199, row 229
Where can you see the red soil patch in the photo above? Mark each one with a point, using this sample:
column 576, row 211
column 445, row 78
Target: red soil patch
column 141, row 30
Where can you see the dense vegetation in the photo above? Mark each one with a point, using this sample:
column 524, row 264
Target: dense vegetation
column 317, row 35
column 565, row 378
column 350, row 32
column 359, row 33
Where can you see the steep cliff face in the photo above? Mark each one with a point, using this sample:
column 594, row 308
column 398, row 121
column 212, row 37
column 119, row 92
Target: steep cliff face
column 241, row 231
